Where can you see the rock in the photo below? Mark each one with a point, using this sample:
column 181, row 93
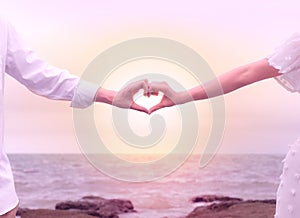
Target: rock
column 212, row 198
column 44, row 213
column 268, row 201
column 93, row 198
column 21, row 211
column 79, row 205
column 97, row 206
column 220, row 207
column 238, row 210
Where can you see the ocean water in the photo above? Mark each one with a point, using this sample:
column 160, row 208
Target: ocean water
column 42, row 180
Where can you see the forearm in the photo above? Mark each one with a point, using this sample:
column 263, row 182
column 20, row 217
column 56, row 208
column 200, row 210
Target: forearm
column 36, row 74
column 234, row 79
column 223, row 84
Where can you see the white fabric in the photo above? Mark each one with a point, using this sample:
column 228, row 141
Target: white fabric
column 84, row 94
column 19, row 61
column 286, row 59
column 288, row 193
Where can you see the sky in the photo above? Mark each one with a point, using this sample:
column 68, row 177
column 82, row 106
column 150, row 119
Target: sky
column 260, row 118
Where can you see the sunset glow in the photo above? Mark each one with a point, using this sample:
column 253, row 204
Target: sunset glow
column 261, row 118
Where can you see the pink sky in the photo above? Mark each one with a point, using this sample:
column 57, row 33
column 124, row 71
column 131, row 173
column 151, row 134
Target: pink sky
column 261, row 118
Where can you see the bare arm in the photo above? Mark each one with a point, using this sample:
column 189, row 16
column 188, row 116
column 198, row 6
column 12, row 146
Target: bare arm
column 235, row 79
column 225, row 83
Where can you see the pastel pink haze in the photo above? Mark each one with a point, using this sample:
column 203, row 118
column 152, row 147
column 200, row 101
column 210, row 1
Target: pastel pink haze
column 261, row 118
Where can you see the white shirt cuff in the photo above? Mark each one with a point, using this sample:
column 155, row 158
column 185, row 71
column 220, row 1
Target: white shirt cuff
column 84, row 94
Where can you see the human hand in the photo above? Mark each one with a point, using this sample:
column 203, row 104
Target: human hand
column 124, row 98
column 170, row 96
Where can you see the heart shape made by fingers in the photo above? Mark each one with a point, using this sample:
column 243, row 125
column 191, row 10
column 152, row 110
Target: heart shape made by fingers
column 148, row 102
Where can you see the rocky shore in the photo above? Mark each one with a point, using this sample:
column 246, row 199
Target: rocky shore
column 215, row 207
column 227, row 207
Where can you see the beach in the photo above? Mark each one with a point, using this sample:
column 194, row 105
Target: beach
column 212, row 206
column 42, row 181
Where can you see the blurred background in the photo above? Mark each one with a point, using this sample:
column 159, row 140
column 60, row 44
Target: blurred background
column 261, row 118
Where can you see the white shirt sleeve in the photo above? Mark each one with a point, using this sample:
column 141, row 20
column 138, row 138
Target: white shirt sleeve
column 84, row 95
column 43, row 79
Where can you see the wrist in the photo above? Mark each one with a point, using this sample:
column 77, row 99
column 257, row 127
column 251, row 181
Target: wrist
column 105, row 96
column 185, row 97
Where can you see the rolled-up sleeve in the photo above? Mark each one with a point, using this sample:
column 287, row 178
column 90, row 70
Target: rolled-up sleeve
column 43, row 79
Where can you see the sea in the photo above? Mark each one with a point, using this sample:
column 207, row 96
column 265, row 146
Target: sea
column 42, row 180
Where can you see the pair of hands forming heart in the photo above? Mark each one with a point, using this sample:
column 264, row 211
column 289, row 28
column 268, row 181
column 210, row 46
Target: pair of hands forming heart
column 125, row 97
